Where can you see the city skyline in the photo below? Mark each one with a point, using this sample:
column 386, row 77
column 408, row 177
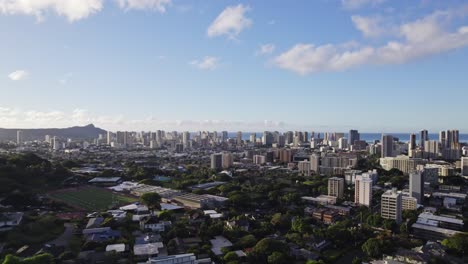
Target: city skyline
column 185, row 65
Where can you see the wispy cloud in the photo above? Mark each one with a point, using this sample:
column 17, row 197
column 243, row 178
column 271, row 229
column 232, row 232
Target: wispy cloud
column 265, row 49
column 154, row 5
column 18, row 75
column 355, row 4
column 207, row 63
column 231, row 22
column 418, row 39
column 17, row 118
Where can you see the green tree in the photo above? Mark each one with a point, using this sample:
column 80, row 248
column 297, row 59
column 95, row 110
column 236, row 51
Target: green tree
column 372, row 247
column 152, row 200
column 247, row 241
column 457, row 244
column 231, row 256
column 277, row 258
column 38, row 259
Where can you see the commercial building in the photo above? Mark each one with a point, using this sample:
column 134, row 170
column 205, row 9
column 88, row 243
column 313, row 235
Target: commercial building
column 401, row 162
column 434, row 227
column 416, row 185
column 391, row 207
column 423, row 137
column 387, row 146
column 353, row 136
column 174, row 259
column 336, row 187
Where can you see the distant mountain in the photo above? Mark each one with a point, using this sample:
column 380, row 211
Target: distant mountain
column 76, row 132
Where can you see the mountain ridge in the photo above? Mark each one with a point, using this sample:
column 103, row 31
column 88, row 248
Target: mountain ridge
column 75, row 132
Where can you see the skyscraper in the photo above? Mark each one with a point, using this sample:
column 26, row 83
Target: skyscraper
column 227, row 160
column 253, row 138
column 336, row 187
column 239, row 138
column 224, row 136
column 416, row 179
column 353, row 136
column 423, row 137
column 390, row 206
column 19, row 137
column 363, row 190
column 186, row 139
column 412, row 142
column 442, row 139
column 216, row 161
column 464, row 166
column 431, row 149
column 387, row 146
column 109, row 138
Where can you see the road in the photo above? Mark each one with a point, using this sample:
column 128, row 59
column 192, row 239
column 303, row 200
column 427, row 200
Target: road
column 65, row 237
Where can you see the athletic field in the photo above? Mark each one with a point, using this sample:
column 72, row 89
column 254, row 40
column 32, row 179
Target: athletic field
column 91, row 198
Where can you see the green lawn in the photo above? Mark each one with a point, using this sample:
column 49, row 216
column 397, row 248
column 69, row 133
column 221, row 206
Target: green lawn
column 91, row 198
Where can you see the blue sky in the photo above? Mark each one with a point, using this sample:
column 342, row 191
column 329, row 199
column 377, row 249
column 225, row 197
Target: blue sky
column 374, row 65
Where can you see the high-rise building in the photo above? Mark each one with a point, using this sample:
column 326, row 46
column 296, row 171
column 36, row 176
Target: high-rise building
column 253, row 138
column 390, row 205
column 19, row 137
column 464, row 166
column 431, row 149
column 239, row 138
column 304, row 168
column 353, row 136
column 56, row 144
column 409, row 203
column 186, row 139
column 109, row 137
column 387, row 146
column 423, row 137
column 267, row 138
column 224, row 136
column 342, row 143
column 336, row 187
column 259, row 159
column 315, row 163
column 227, row 160
column 363, row 190
column 442, row 139
column 412, row 142
column 416, row 179
column 216, row 161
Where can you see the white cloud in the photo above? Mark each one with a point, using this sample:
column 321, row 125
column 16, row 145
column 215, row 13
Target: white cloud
column 73, row 10
column 231, row 22
column 355, row 4
column 369, row 26
column 265, row 49
column 16, row 118
column 207, row 63
column 155, row 5
column 18, row 75
column 418, row 39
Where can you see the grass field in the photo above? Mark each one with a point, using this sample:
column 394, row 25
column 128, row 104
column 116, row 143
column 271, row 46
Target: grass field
column 91, row 198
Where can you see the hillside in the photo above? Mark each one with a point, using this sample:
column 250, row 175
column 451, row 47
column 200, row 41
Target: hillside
column 76, row 132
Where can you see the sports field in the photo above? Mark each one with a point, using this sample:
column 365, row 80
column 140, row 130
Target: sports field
column 91, row 198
